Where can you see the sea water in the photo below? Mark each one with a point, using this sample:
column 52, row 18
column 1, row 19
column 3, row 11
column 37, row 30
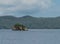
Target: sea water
column 32, row 36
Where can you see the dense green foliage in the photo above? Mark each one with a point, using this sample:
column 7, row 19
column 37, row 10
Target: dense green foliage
column 18, row 25
column 30, row 22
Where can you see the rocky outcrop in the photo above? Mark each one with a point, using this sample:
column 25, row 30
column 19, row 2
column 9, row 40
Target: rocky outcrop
column 19, row 27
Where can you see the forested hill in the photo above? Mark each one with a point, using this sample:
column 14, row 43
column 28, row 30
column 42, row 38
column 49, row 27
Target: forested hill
column 31, row 22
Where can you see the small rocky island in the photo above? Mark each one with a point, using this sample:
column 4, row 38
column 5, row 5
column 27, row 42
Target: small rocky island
column 19, row 27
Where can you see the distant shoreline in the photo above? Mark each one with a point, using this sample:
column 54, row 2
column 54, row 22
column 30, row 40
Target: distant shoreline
column 3, row 28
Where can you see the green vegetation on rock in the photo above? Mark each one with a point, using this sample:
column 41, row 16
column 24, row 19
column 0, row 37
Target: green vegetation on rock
column 19, row 26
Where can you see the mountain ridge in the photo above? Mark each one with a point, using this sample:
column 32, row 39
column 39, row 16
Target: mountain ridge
column 6, row 22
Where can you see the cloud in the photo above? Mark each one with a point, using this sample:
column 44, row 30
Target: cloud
column 11, row 6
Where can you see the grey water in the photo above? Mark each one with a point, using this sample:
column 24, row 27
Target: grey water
column 32, row 36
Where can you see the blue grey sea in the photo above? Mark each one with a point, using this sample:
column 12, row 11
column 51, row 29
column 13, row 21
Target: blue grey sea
column 32, row 36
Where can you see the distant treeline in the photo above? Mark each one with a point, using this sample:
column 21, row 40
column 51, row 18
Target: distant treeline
column 6, row 22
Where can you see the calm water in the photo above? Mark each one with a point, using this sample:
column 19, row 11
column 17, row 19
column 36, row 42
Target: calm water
column 33, row 36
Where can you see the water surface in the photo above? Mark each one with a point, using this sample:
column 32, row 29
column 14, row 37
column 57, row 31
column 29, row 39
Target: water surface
column 33, row 36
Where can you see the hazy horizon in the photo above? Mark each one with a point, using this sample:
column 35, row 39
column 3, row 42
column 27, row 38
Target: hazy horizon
column 31, row 16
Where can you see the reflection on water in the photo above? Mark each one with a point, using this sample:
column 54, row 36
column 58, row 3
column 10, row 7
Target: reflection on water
column 33, row 36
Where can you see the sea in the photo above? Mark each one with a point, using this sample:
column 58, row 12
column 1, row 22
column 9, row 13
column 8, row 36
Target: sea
column 32, row 36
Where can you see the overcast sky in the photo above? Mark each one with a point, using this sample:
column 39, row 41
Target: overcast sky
column 37, row 8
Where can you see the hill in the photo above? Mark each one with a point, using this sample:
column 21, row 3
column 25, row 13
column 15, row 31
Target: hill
column 6, row 22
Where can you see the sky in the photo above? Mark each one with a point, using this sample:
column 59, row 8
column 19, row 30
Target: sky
column 37, row 8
